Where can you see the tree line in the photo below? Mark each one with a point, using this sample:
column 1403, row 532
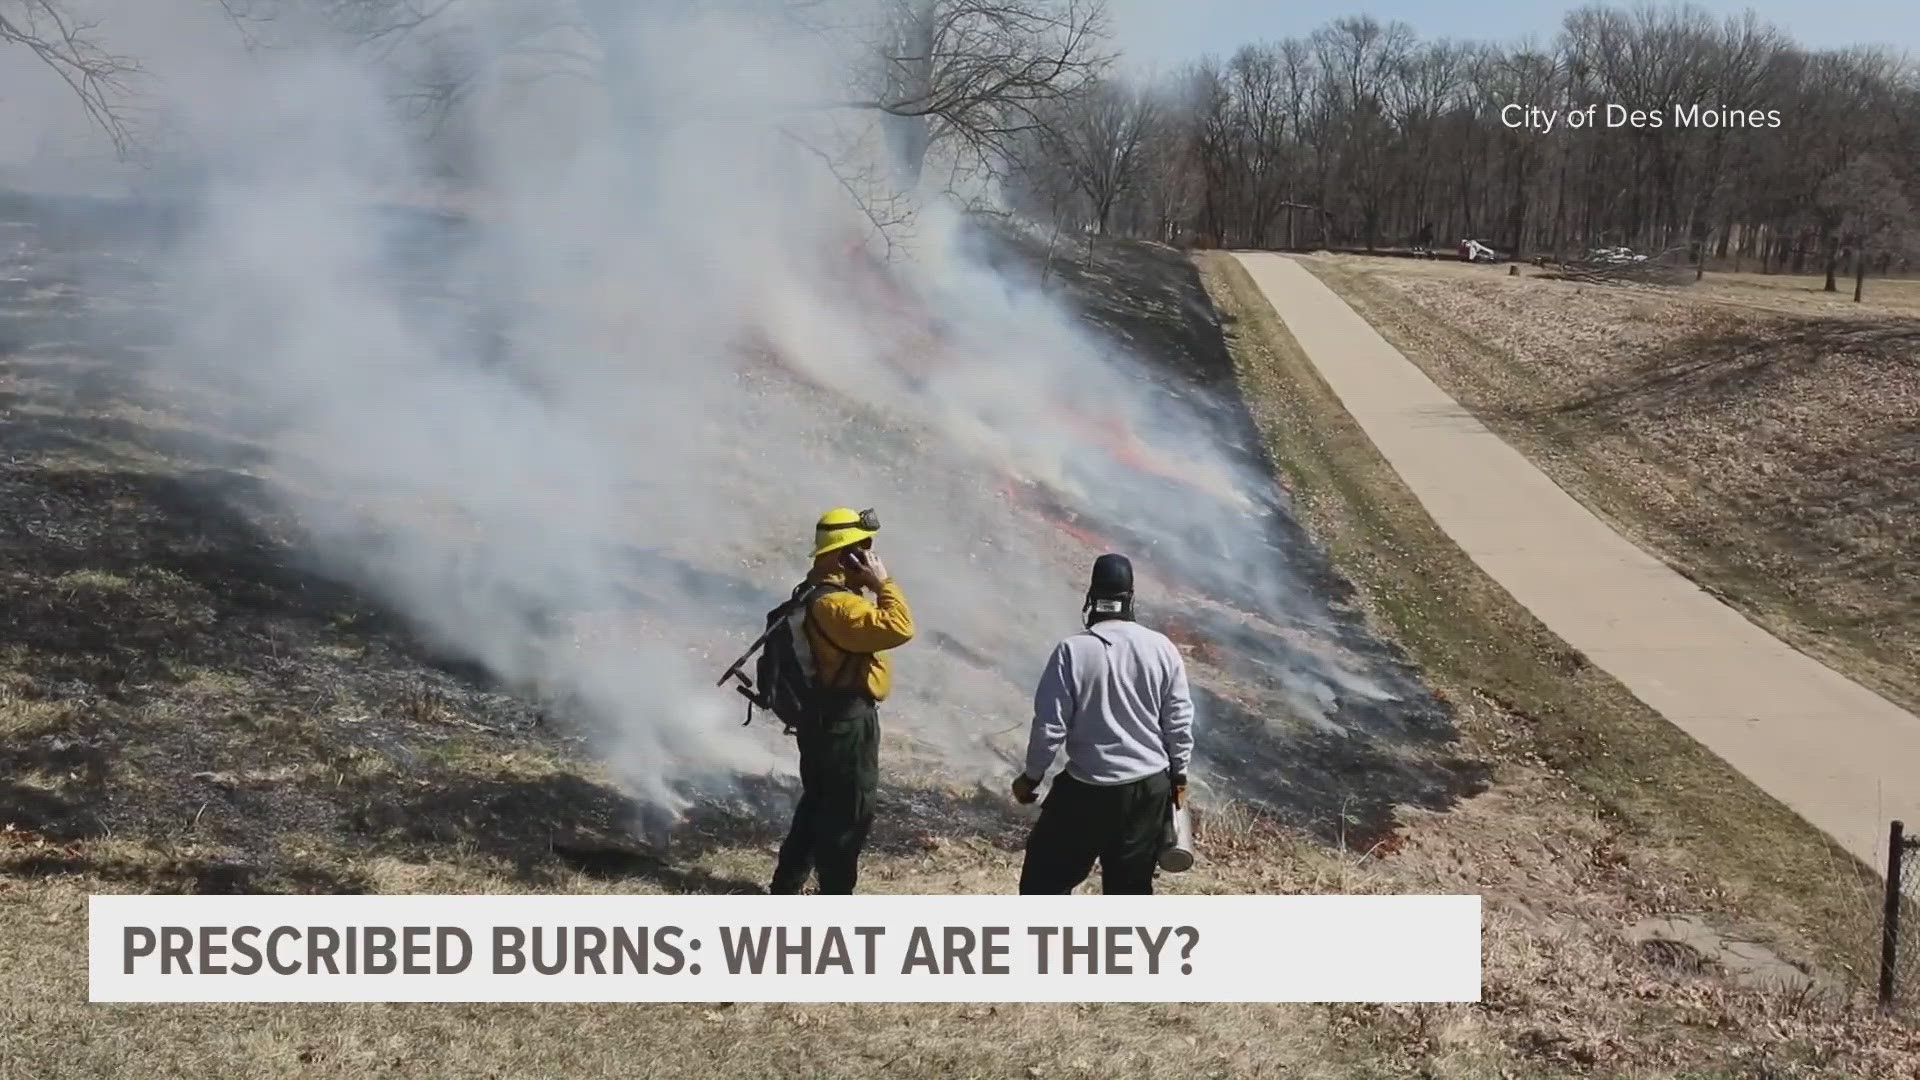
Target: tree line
column 1667, row 130
column 1695, row 138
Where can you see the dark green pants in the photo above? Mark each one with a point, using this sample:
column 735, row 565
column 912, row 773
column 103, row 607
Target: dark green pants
column 839, row 776
column 1122, row 825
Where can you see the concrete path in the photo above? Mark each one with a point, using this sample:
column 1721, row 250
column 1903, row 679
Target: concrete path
column 1840, row 755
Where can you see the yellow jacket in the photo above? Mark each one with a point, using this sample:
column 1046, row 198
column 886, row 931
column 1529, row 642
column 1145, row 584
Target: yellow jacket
column 847, row 622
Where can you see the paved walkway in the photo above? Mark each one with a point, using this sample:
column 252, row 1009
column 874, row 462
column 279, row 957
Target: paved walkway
column 1840, row 755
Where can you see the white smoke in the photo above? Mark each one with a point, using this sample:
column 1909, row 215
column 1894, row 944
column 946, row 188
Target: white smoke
column 585, row 496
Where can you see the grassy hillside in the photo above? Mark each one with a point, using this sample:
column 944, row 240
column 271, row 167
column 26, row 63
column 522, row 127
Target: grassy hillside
column 186, row 706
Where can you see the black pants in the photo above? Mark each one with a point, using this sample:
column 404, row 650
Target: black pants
column 839, row 776
column 1121, row 825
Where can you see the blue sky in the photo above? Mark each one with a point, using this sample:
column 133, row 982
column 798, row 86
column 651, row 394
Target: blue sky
column 1165, row 34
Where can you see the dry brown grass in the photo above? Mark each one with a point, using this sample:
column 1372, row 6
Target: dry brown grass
column 23, row 717
column 1794, row 294
column 1757, row 437
column 1806, row 293
column 1564, row 994
column 1522, row 694
column 200, row 720
column 1697, row 834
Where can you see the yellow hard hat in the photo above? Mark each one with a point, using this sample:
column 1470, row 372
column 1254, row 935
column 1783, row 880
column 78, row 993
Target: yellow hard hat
column 841, row 527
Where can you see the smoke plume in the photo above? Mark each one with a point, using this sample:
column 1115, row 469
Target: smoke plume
column 579, row 432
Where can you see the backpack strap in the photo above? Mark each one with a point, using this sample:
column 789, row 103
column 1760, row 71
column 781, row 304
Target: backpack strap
column 800, row 600
column 805, row 593
column 843, row 679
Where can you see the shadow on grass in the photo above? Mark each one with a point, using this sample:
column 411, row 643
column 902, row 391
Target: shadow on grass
column 55, row 786
column 198, row 876
column 1720, row 362
column 546, row 827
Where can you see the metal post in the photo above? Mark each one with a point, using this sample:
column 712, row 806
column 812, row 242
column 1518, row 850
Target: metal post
column 1890, row 916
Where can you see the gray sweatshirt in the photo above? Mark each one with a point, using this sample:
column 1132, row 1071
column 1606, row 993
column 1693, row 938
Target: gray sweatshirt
column 1117, row 696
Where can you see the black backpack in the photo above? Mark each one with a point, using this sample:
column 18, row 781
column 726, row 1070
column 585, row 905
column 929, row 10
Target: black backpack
column 781, row 684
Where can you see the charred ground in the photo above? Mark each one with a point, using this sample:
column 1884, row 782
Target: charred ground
column 1342, row 779
column 178, row 670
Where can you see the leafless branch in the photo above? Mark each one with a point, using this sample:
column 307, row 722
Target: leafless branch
column 884, row 209
column 975, row 74
column 69, row 47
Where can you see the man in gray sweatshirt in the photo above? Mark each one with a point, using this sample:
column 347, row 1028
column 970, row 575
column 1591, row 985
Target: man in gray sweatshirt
column 1116, row 695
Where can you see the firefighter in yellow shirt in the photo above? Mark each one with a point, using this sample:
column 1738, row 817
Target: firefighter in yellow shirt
column 848, row 636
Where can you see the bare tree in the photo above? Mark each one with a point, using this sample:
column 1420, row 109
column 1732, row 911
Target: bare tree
column 1722, row 138
column 1525, row 74
column 973, row 75
column 1358, row 57
column 71, row 47
column 1360, row 129
column 1747, row 57
column 1040, row 187
column 1250, row 126
column 961, row 79
column 1211, row 114
column 1103, row 137
column 1422, row 91
column 1172, row 182
column 1851, row 95
column 1868, row 205
column 1270, row 89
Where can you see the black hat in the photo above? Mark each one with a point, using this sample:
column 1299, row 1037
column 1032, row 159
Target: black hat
column 1112, row 576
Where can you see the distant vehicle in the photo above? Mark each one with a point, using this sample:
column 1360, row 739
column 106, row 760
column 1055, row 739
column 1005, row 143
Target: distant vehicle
column 1616, row 256
column 1475, row 251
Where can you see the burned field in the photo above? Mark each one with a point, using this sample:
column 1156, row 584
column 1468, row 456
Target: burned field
column 1334, row 755
column 191, row 701
column 180, row 672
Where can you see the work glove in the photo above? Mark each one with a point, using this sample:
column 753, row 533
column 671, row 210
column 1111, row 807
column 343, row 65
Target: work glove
column 1025, row 790
column 1179, row 790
